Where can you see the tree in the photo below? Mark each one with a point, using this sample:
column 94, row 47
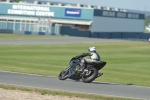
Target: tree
column 147, row 20
column 12, row 0
column 17, row 0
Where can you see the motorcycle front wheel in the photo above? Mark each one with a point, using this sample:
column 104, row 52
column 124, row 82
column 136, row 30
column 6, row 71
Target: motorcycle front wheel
column 89, row 76
column 64, row 74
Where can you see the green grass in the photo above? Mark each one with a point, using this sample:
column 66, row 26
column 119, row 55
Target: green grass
column 62, row 93
column 146, row 31
column 127, row 62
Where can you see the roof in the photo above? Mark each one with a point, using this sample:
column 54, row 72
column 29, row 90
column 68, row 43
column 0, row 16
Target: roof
column 53, row 20
column 69, row 21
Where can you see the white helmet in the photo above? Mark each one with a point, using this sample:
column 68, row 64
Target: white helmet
column 92, row 48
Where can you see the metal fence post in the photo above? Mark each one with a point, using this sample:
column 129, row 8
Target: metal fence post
column 20, row 25
column 14, row 24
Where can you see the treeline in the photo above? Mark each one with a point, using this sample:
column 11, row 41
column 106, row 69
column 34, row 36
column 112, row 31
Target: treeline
column 12, row 0
column 147, row 20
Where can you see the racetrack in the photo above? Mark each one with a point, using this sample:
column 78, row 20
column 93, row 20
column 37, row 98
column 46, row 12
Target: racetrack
column 69, row 40
column 69, row 85
column 100, row 88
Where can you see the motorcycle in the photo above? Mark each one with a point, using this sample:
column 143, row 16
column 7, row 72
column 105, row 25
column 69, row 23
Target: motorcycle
column 76, row 72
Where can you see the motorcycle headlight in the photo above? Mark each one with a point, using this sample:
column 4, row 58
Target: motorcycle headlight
column 73, row 63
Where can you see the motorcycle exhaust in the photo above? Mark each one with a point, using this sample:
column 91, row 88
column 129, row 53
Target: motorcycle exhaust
column 100, row 74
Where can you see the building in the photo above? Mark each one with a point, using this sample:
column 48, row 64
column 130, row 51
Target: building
column 49, row 17
column 115, row 21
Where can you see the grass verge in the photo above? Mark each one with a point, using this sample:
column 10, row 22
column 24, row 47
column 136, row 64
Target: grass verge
column 127, row 62
column 62, row 93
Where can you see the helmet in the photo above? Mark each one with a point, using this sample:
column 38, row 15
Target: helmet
column 92, row 48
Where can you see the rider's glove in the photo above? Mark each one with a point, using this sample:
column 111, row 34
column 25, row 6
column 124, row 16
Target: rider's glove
column 77, row 57
column 74, row 58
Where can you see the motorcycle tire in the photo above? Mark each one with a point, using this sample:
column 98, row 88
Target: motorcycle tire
column 65, row 76
column 92, row 76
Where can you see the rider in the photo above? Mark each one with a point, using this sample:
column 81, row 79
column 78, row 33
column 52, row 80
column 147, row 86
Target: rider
column 94, row 57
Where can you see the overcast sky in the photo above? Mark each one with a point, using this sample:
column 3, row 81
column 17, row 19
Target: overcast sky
column 143, row 5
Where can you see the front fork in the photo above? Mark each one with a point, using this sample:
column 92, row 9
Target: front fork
column 72, row 71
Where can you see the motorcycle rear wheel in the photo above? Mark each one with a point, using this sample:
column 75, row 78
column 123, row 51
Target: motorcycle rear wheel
column 90, row 75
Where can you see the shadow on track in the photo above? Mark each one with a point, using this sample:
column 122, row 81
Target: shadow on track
column 105, row 83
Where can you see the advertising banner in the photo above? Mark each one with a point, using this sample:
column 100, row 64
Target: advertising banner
column 17, row 9
column 30, row 10
column 72, row 12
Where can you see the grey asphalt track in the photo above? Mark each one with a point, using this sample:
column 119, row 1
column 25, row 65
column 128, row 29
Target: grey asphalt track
column 100, row 88
column 70, row 40
column 70, row 85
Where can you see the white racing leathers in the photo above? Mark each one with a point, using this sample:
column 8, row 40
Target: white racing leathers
column 94, row 58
